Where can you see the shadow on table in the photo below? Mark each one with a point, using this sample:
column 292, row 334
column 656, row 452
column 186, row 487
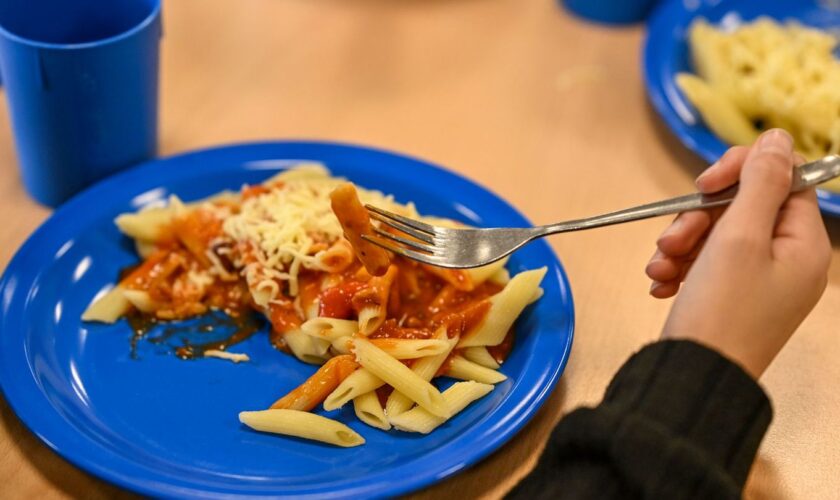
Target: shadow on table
column 52, row 468
column 498, row 473
column 764, row 481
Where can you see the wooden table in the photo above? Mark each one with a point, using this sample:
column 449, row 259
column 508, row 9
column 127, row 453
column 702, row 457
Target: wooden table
column 544, row 109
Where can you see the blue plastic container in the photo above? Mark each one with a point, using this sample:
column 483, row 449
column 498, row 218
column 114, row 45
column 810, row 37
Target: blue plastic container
column 81, row 78
column 612, row 11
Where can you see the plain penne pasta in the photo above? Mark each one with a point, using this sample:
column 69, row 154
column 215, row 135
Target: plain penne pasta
column 302, row 424
column 400, row 377
column 307, row 348
column 146, row 225
column 464, row 369
column 479, row 275
column 505, row 307
column 369, row 411
column 457, row 397
column 109, row 307
column 425, row 368
column 501, row 277
column 359, row 382
column 480, row 355
column 411, row 348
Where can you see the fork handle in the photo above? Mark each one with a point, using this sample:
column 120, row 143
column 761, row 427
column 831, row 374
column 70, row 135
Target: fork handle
column 679, row 204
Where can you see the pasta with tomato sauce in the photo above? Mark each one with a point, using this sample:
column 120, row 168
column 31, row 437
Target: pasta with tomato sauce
column 382, row 327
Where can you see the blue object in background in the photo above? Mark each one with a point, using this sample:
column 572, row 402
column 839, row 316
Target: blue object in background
column 611, row 11
column 168, row 428
column 666, row 53
column 81, row 78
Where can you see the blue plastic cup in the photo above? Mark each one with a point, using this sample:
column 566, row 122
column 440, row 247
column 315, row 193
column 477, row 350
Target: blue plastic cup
column 611, row 11
column 81, row 79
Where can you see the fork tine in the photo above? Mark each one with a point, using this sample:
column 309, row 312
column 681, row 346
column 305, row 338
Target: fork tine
column 416, row 224
column 405, row 252
column 402, row 227
column 405, row 241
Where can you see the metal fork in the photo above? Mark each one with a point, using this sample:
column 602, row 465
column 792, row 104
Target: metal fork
column 465, row 248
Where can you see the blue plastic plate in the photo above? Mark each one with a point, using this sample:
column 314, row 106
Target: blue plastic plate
column 166, row 427
column 667, row 53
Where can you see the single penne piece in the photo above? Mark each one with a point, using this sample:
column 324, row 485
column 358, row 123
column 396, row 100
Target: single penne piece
column 307, row 348
column 479, row 275
column 316, row 388
column 505, row 307
column 464, row 369
column 369, row 411
column 411, row 348
column 301, row 424
column 481, row 356
column 457, row 397
column 371, row 302
column 500, row 277
column 329, row 328
column 108, row 307
column 355, row 222
column 425, row 368
column 141, row 300
column 399, row 376
column 147, row 225
column 359, row 382
column 342, row 345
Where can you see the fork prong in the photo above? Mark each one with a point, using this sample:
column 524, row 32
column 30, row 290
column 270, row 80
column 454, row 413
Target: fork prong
column 416, row 224
column 417, row 245
column 420, row 235
column 405, row 252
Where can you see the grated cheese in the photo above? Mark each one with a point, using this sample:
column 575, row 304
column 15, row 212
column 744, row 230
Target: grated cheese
column 230, row 356
column 280, row 229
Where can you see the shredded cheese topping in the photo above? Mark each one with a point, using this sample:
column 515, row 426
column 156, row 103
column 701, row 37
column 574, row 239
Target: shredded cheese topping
column 289, row 227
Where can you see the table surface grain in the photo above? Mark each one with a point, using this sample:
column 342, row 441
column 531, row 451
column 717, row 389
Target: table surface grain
column 546, row 110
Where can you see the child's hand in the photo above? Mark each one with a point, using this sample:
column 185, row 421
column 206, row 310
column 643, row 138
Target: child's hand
column 752, row 272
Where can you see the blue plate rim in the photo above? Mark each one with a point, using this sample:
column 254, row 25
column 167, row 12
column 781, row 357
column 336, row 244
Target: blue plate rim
column 426, row 477
column 665, row 17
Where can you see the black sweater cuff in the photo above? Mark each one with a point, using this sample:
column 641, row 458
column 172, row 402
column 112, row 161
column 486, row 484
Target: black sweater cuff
column 698, row 396
column 678, row 421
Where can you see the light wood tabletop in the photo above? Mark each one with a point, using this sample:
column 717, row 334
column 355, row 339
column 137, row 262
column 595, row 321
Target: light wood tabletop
column 545, row 110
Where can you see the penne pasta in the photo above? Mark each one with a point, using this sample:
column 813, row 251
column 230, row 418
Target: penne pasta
column 464, row 369
column 355, row 222
column 504, row 309
column 109, row 307
column 146, row 225
column 357, row 383
column 303, row 425
column 141, row 300
column 317, row 387
column 480, row 356
column 500, row 277
column 400, row 377
column 457, row 397
column 371, row 302
column 411, row 348
column 329, row 328
column 425, row 368
column 305, row 347
column 369, row 411
column 479, row 275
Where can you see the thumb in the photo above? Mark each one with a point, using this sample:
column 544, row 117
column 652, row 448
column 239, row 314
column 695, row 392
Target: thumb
column 765, row 183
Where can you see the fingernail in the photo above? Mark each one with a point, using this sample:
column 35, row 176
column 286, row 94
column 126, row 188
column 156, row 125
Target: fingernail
column 776, row 139
column 705, row 174
column 673, row 228
column 654, row 286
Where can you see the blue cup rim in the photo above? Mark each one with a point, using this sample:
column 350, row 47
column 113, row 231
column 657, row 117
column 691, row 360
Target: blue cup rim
column 85, row 45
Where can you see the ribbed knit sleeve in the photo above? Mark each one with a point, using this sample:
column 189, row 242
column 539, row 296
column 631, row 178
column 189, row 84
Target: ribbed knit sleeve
column 677, row 421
